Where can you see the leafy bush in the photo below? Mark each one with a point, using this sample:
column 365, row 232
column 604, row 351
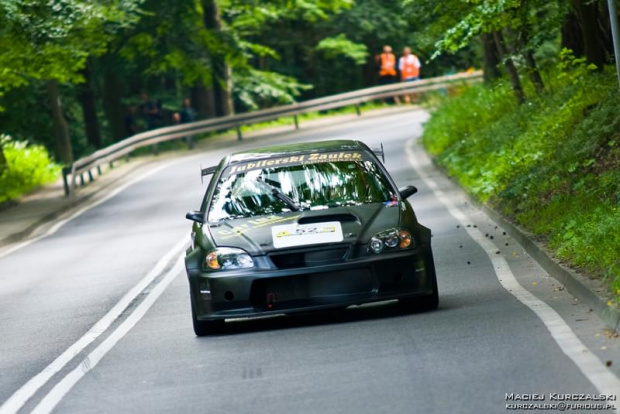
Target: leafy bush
column 27, row 166
column 551, row 164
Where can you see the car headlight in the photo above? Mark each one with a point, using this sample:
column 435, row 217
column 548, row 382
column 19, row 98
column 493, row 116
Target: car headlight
column 228, row 258
column 391, row 239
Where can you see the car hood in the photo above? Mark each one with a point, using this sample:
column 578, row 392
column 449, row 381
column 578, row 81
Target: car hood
column 254, row 235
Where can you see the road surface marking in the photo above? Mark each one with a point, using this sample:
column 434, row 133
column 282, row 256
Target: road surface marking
column 84, row 209
column 51, row 400
column 588, row 363
column 26, row 391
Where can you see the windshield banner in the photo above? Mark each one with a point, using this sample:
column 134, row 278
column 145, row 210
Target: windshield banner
column 302, row 159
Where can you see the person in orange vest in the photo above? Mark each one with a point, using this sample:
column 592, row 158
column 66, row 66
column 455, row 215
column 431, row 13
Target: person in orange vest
column 387, row 67
column 409, row 68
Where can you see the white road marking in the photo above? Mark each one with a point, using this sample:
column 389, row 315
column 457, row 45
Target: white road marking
column 51, row 400
column 26, row 391
column 588, row 363
column 84, row 209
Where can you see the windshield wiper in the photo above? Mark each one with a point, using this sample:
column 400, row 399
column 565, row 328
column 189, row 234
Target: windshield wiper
column 280, row 195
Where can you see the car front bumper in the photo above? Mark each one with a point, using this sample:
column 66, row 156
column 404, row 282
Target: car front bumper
column 253, row 292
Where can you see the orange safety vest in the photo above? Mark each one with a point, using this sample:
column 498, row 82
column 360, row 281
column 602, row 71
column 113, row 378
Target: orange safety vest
column 409, row 69
column 388, row 64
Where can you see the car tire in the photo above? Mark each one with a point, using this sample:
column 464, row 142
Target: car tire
column 206, row 328
column 423, row 303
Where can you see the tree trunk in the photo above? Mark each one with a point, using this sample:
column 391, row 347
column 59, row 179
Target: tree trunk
column 89, row 110
column 222, row 73
column 588, row 16
column 491, row 59
column 515, row 81
column 533, row 72
column 571, row 34
column 604, row 24
column 222, row 87
column 203, row 101
column 63, row 149
column 113, row 105
column 530, row 62
column 3, row 164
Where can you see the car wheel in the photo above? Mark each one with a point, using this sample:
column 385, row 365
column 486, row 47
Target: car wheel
column 423, row 303
column 205, row 328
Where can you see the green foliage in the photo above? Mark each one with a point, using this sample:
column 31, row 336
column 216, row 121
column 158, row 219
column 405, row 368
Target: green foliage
column 571, row 68
column 28, row 166
column 52, row 40
column 258, row 89
column 458, row 23
column 552, row 164
column 333, row 47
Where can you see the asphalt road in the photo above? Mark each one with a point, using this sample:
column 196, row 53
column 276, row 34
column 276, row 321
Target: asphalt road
column 481, row 344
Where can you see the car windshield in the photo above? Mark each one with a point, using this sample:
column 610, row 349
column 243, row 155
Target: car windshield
column 310, row 186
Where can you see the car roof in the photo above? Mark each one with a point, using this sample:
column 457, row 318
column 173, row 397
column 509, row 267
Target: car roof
column 299, row 148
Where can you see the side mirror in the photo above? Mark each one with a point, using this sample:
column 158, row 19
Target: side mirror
column 196, row 216
column 407, row 191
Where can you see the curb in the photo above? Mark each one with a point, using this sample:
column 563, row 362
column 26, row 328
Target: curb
column 574, row 283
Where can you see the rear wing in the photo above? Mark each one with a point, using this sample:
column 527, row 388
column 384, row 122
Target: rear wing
column 379, row 153
column 206, row 171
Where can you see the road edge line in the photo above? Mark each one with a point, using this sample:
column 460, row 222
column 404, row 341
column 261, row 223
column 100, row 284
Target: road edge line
column 566, row 276
column 588, row 363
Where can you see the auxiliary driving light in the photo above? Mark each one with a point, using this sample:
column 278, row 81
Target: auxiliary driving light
column 392, row 239
column 376, row 245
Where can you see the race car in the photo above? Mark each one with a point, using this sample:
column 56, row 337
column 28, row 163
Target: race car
column 303, row 227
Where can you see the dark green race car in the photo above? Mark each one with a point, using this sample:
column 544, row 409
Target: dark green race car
column 302, row 227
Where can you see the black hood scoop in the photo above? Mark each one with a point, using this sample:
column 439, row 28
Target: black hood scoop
column 343, row 218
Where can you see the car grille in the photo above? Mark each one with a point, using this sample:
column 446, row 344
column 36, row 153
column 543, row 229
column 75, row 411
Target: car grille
column 311, row 289
column 310, row 257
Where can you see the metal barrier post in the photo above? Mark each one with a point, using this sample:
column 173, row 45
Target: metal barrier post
column 358, row 109
column 65, row 173
column 99, row 170
column 190, row 142
column 239, row 135
column 296, row 121
column 90, row 176
column 82, row 179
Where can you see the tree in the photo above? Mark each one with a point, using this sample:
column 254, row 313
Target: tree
column 491, row 58
column 515, row 81
column 588, row 17
column 89, row 110
column 222, row 79
column 51, row 41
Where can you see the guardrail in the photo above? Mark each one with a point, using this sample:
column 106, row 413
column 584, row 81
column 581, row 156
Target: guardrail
column 356, row 98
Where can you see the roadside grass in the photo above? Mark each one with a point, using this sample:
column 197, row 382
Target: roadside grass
column 552, row 164
column 27, row 167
